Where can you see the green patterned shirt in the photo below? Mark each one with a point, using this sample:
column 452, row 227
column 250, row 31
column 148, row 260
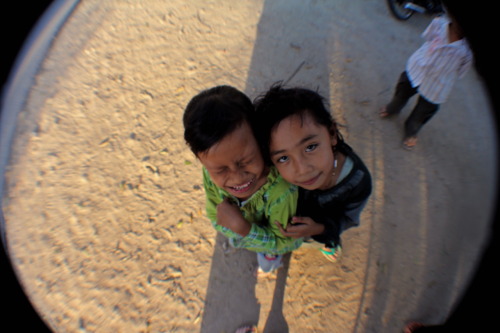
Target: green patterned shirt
column 276, row 200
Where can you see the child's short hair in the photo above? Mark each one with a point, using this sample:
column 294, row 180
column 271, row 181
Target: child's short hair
column 213, row 114
column 279, row 103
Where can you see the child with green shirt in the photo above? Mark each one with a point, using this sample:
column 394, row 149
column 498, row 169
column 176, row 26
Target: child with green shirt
column 242, row 193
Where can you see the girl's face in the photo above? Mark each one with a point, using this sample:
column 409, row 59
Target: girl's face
column 301, row 149
column 235, row 163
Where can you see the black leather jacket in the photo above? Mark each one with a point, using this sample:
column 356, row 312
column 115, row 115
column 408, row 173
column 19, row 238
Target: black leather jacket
column 339, row 207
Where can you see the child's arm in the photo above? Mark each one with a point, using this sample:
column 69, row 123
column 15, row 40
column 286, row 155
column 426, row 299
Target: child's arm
column 259, row 239
column 268, row 240
column 280, row 205
column 229, row 216
column 214, row 199
column 231, row 223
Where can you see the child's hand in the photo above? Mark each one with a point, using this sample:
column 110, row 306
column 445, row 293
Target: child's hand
column 229, row 216
column 301, row 227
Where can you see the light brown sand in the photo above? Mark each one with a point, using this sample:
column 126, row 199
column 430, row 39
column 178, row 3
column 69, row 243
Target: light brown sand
column 105, row 207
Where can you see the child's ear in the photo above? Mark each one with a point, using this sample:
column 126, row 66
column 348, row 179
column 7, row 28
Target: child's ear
column 333, row 140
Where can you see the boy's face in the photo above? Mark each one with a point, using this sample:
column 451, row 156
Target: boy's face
column 302, row 152
column 235, row 163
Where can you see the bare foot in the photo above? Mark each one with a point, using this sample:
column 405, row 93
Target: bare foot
column 383, row 112
column 412, row 326
column 247, row 329
column 410, row 142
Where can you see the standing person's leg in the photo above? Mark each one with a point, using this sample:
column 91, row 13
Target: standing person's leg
column 402, row 94
column 421, row 114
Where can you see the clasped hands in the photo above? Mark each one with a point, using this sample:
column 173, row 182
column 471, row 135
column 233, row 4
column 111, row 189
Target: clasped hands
column 229, row 216
column 301, row 226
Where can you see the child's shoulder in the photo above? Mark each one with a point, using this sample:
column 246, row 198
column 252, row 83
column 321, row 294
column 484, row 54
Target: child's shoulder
column 276, row 185
column 351, row 153
column 278, row 192
column 206, row 175
column 440, row 20
column 443, row 19
column 344, row 148
column 275, row 177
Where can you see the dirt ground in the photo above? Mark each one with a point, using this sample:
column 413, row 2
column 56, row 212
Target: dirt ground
column 104, row 203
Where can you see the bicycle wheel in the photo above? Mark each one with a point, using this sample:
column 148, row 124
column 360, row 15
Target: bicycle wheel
column 398, row 9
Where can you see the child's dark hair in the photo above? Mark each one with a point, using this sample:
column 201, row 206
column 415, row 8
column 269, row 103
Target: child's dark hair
column 279, row 103
column 213, row 114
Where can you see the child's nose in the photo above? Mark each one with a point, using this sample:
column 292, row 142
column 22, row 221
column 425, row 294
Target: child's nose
column 301, row 167
column 238, row 175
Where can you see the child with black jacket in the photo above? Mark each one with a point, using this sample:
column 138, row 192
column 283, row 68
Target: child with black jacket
column 298, row 135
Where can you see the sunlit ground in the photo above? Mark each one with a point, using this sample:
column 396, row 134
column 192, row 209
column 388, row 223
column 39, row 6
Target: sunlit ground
column 104, row 203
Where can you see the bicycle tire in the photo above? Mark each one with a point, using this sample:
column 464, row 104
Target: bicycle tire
column 398, row 11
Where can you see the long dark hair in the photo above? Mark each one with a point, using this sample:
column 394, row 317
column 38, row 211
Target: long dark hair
column 279, row 103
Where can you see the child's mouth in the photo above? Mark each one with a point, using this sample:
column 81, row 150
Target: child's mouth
column 309, row 182
column 243, row 187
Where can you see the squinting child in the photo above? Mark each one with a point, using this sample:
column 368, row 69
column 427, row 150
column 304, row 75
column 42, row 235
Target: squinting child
column 242, row 193
column 298, row 135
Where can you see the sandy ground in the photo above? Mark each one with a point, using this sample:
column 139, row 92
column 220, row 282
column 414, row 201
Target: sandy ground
column 104, row 204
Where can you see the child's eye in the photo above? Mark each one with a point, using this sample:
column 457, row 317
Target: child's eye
column 221, row 171
column 312, row 147
column 244, row 163
column 282, row 159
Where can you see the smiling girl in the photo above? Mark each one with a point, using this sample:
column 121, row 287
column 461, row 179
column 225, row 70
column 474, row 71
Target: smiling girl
column 298, row 135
